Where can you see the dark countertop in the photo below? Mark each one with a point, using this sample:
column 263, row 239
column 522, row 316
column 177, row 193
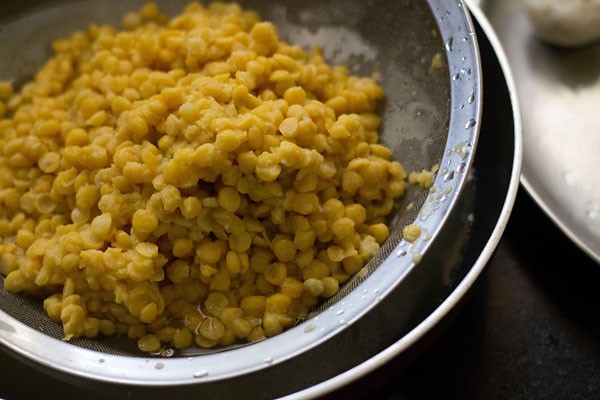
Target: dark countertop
column 530, row 330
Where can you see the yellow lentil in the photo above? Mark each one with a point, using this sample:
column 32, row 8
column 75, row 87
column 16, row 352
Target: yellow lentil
column 149, row 343
column 411, row 232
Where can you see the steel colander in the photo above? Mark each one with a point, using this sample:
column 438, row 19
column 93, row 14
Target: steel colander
column 430, row 115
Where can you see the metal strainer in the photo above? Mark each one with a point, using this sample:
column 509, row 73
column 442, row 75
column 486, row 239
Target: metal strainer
column 430, row 116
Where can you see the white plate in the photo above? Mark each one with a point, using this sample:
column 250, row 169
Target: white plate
column 559, row 96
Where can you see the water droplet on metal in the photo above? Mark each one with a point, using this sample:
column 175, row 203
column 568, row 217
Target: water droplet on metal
column 268, row 360
column 449, row 176
column 455, row 77
column 200, row 374
column 461, row 168
column 342, row 322
column 159, row 366
column 101, row 360
column 470, row 123
column 471, row 98
column 449, row 43
column 339, row 312
column 309, row 329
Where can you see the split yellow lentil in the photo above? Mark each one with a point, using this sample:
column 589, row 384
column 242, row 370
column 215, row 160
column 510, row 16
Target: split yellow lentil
column 189, row 181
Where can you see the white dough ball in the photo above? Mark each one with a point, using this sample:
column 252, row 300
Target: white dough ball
column 566, row 23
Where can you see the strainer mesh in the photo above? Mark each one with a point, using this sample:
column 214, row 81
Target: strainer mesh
column 414, row 114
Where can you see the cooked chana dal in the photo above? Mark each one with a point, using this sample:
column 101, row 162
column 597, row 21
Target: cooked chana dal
column 189, row 181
